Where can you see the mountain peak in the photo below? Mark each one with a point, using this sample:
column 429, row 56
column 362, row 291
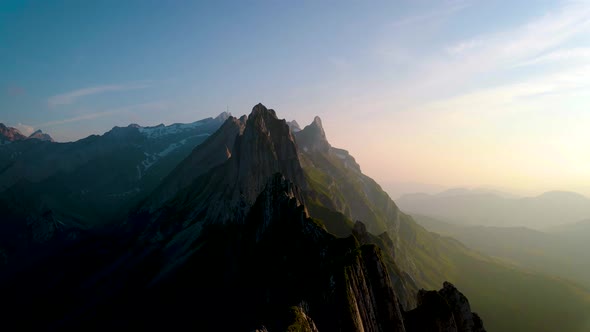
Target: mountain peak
column 261, row 110
column 40, row 135
column 10, row 134
column 246, row 158
column 317, row 121
column 313, row 137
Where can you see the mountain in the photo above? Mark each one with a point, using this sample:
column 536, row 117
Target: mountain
column 490, row 209
column 40, row 135
column 263, row 228
column 50, row 192
column 10, row 134
column 235, row 242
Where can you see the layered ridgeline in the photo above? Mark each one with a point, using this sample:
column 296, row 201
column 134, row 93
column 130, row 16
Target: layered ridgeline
column 234, row 246
column 51, row 192
column 559, row 251
column 489, row 208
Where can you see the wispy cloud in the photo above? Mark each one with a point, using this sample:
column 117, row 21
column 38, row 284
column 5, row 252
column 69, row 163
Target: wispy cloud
column 469, row 61
column 72, row 96
column 446, row 10
column 573, row 54
column 140, row 107
column 528, row 40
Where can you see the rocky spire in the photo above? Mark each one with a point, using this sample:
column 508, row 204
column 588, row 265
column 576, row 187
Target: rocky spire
column 313, row 137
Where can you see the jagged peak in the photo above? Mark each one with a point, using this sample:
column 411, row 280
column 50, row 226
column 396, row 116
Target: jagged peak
column 265, row 120
column 317, row 121
column 313, row 137
column 261, row 110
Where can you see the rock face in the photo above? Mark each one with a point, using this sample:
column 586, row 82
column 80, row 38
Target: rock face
column 459, row 304
column 313, row 137
column 443, row 310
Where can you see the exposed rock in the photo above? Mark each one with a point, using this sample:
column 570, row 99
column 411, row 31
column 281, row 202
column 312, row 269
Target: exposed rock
column 459, row 304
column 360, row 232
column 301, row 321
column 313, row 137
column 444, row 310
column 432, row 314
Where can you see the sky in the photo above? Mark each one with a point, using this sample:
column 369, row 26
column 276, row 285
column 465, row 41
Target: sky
column 443, row 93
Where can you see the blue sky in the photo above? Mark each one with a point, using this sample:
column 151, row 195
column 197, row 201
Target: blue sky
column 492, row 92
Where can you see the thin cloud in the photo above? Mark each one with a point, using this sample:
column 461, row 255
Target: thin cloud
column 72, row 96
column 90, row 116
column 447, row 10
column 471, row 59
column 579, row 53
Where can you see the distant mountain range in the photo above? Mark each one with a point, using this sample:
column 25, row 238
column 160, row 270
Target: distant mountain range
column 487, row 208
column 52, row 190
column 247, row 224
column 10, row 134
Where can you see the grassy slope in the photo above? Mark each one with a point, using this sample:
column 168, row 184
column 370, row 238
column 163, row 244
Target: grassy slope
column 558, row 254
